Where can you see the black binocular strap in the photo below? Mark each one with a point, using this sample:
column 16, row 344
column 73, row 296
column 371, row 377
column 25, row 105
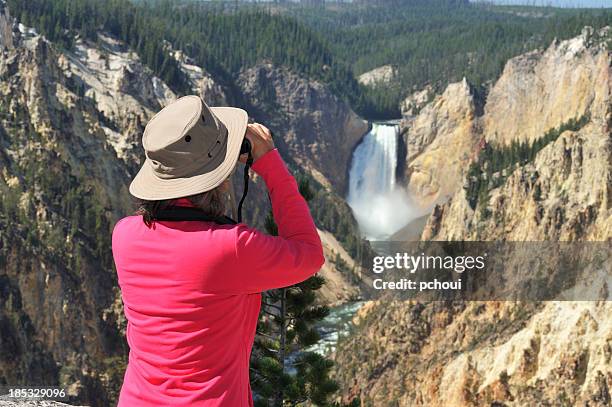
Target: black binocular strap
column 181, row 213
column 247, row 166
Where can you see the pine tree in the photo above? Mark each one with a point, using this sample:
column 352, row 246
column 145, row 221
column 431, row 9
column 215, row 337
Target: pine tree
column 283, row 371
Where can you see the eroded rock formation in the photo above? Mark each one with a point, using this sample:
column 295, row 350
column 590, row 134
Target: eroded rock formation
column 507, row 353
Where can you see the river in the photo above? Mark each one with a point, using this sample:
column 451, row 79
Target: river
column 380, row 206
column 333, row 327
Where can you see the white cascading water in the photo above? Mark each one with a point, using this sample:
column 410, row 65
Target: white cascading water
column 380, row 206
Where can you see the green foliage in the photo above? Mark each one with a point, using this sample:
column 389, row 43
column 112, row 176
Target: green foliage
column 428, row 42
column 332, row 214
column 313, row 374
column 335, row 215
column 61, row 20
column 282, row 372
column 437, row 42
column 114, row 367
column 221, row 42
column 304, row 187
column 495, row 163
column 343, row 267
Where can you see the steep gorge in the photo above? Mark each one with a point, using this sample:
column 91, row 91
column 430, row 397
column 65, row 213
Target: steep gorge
column 70, row 124
column 563, row 193
column 505, row 353
column 70, row 128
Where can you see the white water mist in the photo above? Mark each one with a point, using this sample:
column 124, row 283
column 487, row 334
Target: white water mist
column 380, row 206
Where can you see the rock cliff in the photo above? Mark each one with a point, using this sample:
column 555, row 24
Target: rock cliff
column 319, row 132
column 381, row 75
column 536, row 92
column 542, row 89
column 479, row 354
column 61, row 185
column 440, row 133
column 125, row 92
column 509, row 353
column 564, row 192
column 70, row 128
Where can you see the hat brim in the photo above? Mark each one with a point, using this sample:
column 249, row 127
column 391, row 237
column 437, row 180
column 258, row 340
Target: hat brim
column 146, row 185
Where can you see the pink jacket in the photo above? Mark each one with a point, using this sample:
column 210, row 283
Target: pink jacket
column 191, row 295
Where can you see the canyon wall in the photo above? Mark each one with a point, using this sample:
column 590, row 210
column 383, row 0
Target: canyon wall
column 441, row 136
column 319, row 131
column 509, row 353
column 537, row 91
column 70, row 128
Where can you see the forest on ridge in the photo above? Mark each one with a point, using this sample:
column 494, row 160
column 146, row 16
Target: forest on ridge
column 427, row 42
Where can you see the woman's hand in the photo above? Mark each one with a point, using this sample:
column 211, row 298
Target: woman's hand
column 261, row 141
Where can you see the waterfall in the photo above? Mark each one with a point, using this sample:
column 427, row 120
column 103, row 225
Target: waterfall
column 380, row 206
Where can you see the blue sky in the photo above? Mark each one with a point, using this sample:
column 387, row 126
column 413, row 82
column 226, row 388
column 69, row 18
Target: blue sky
column 560, row 3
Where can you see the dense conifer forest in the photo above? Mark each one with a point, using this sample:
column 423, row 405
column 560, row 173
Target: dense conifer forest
column 427, row 42
column 496, row 163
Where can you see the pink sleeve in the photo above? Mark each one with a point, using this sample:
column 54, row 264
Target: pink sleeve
column 294, row 255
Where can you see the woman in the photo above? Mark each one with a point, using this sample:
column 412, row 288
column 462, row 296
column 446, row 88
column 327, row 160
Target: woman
column 191, row 288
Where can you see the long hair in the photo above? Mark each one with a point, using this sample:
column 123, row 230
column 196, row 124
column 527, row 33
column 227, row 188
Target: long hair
column 212, row 203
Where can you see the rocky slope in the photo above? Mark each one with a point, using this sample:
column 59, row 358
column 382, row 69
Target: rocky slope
column 381, row 75
column 440, row 133
column 70, row 128
column 125, row 92
column 564, row 192
column 61, row 184
column 340, row 272
column 319, row 131
column 536, row 92
column 479, row 354
column 541, row 89
column 509, row 353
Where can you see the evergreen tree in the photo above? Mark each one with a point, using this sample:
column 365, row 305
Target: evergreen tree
column 283, row 372
column 434, row 42
column 500, row 160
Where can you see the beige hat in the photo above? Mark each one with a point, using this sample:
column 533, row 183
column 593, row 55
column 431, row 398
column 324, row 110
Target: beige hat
column 190, row 148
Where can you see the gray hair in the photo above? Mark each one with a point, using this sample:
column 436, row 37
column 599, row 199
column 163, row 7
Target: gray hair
column 212, row 202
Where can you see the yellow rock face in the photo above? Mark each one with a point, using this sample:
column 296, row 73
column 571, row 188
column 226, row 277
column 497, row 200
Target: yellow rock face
column 503, row 353
column 537, row 91
column 540, row 90
column 563, row 193
column 440, row 141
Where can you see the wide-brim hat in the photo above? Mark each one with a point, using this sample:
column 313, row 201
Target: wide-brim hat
column 190, row 148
